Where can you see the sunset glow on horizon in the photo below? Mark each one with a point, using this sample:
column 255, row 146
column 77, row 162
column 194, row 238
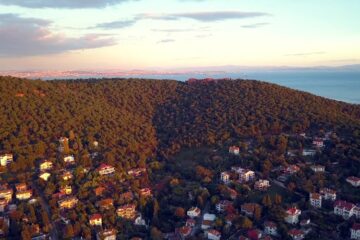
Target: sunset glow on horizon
column 163, row 34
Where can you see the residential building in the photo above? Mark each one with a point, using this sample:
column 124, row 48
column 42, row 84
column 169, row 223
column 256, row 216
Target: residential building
column 44, row 176
column 6, row 159
column 190, row 222
column 223, row 205
column 69, row 159
column 225, row 177
column 45, row 165
column 354, row 181
column 344, row 209
column 137, row 172
column 308, row 152
column 184, row 231
column 318, row 142
column 245, row 175
column 270, row 228
column 106, row 169
column 145, row 192
column 68, row 202
column 262, row 184
column 66, row 175
column 194, row 212
column 315, row 200
column 213, row 234
column 296, row 234
column 21, row 187
column 107, row 234
column 127, row 211
column 95, row 220
column 328, row 194
column 106, row 203
column 291, row 169
column 209, row 217
column 318, row 168
column 249, row 208
column 292, row 215
column 24, row 195
column 66, row 190
column 234, row 150
column 206, row 224
column 6, row 194
column 355, row 231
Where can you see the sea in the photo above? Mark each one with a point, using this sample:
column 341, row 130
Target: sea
column 337, row 85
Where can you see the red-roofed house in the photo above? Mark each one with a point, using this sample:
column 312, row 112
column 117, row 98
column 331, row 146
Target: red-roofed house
column 249, row 208
column 344, row 209
column 291, row 169
column 194, row 212
column 296, row 234
column 225, row 177
column 213, row 234
column 127, row 211
column 354, row 181
column 223, row 205
column 95, row 220
column 292, row 215
column 234, row 150
column 262, row 184
column 328, row 194
column 145, row 192
column 270, row 228
column 254, row 234
column 106, row 169
column 318, row 142
column 108, row 234
column 355, row 231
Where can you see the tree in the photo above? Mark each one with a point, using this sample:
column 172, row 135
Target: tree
column 257, row 213
column 278, row 199
column 155, row 233
column 266, row 201
column 180, row 212
column 246, row 223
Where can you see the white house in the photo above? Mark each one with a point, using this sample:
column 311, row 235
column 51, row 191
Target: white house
column 44, row 176
column 245, row 175
column 194, row 212
column 270, row 228
column 209, row 217
column 344, row 209
column 234, row 150
column 5, row 159
column 69, row 159
column 296, row 234
column 315, row 200
column 308, row 152
column 318, row 168
column 106, row 169
column 355, row 231
column 95, row 220
column 262, row 184
column 292, row 215
column 213, row 234
column 354, row 181
column 223, row 205
column 108, row 234
column 225, row 177
column 328, row 194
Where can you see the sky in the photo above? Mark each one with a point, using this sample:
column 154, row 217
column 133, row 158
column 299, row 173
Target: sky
column 170, row 34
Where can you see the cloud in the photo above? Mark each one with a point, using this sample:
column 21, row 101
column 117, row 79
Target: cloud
column 305, row 54
column 116, row 24
column 168, row 40
column 62, row 3
column 203, row 16
column 32, row 36
column 255, row 25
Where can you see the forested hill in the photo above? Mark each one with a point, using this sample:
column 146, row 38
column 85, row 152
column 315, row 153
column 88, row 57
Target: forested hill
column 133, row 119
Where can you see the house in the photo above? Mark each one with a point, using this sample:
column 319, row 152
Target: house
column 194, row 212
column 137, row 172
column 354, row 181
column 225, row 177
column 232, row 193
column 355, row 231
column 213, row 234
column 107, row 234
column 106, row 169
column 99, row 191
column 270, row 228
column 328, row 194
column 106, row 203
column 254, row 234
column 44, row 176
column 291, row 169
column 145, row 192
column 184, row 231
column 66, row 175
column 6, row 194
column 127, row 211
column 234, row 150
column 296, row 234
column 24, row 195
column 139, row 221
column 315, row 200
column 308, row 152
column 344, row 209
column 209, row 217
column 45, row 165
column 262, row 184
column 6, row 159
column 190, row 222
column 95, row 220
column 249, row 208
column 21, row 187
column 66, row 190
column 245, row 175
column 292, row 215
column 318, row 142
column 317, row 168
column 206, row 224
column 223, row 205
column 68, row 202
column 69, row 159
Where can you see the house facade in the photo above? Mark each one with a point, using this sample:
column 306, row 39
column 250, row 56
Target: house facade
column 328, row 194
column 225, row 177
column 106, row 169
column 194, row 212
column 127, row 211
column 355, row 231
column 315, row 200
column 292, row 215
column 354, row 181
column 6, row 159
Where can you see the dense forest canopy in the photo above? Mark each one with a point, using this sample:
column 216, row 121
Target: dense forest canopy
column 135, row 118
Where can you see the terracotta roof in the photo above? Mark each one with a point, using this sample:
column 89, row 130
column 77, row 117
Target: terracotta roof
column 295, row 232
column 214, row 232
column 344, row 204
column 316, row 196
column 270, row 224
column 353, row 179
column 95, row 216
column 292, row 211
column 356, row 226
